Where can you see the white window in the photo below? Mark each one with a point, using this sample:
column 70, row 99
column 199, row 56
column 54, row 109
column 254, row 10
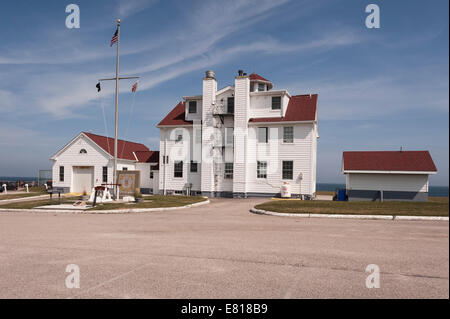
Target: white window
column 192, row 107
column 288, row 169
column 229, row 136
column 178, row 136
column 178, row 169
column 288, row 134
column 230, row 105
column 261, row 87
column 83, row 151
column 263, row 133
column 261, row 169
column 61, row 173
column 151, row 175
column 194, row 167
column 276, row 102
column 228, row 170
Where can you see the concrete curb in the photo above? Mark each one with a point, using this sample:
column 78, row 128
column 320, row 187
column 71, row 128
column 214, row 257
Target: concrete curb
column 421, row 218
column 379, row 217
column 111, row 211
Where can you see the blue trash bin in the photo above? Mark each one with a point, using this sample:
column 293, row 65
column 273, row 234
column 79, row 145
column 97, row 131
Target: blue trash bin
column 341, row 196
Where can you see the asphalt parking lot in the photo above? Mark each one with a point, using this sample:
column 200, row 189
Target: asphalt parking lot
column 220, row 250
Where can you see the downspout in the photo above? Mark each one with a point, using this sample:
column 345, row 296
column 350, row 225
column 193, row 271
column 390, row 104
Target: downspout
column 164, row 164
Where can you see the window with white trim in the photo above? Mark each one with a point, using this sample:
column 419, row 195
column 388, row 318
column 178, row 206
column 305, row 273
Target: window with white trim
column 261, row 87
column 228, row 171
column 288, row 134
column 261, row 169
column 194, row 167
column 288, row 169
column 105, row 174
column 230, row 105
column 263, row 133
column 192, row 107
column 178, row 169
column 178, row 136
column 61, row 173
column 276, row 102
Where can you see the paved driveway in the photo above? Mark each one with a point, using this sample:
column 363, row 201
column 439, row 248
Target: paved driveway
column 220, row 251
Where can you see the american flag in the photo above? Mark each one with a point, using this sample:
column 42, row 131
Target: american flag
column 134, row 87
column 114, row 38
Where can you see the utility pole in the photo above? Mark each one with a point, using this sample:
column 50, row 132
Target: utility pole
column 116, row 119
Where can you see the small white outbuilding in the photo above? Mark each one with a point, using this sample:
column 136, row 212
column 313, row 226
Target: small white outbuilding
column 387, row 175
column 87, row 161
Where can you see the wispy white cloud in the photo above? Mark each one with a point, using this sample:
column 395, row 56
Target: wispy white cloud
column 129, row 7
column 375, row 97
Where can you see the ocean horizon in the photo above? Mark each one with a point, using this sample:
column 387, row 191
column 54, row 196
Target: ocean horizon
column 436, row 191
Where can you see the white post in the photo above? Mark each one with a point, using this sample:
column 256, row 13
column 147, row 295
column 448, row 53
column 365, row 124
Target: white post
column 26, row 186
column 4, row 186
column 46, row 186
column 116, row 189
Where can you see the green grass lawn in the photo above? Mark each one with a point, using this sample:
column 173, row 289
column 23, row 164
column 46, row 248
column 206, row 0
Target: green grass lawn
column 154, row 201
column 21, row 195
column 34, row 191
column 149, row 202
column 40, row 202
column 436, row 206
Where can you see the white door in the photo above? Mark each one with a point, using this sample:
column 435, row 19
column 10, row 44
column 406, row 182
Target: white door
column 83, row 179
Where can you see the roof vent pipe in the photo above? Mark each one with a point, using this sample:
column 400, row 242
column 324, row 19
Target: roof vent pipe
column 240, row 72
column 210, row 74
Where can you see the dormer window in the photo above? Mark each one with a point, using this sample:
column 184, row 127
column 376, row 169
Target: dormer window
column 83, row 151
column 276, row 102
column 261, row 87
column 192, row 107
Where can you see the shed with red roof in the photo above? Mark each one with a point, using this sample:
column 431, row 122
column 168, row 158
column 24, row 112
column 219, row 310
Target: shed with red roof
column 387, row 175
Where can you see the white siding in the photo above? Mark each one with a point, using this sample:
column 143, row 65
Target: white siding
column 388, row 182
column 95, row 157
column 245, row 151
column 275, row 152
column 261, row 104
column 209, row 99
column 194, row 116
column 241, row 117
column 71, row 156
column 178, row 151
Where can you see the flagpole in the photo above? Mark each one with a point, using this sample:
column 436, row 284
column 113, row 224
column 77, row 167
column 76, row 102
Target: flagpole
column 117, row 111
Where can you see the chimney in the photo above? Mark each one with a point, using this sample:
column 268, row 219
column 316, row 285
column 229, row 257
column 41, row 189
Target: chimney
column 210, row 74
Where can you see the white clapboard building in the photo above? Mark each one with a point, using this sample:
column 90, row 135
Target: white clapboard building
column 246, row 139
column 88, row 161
column 387, row 175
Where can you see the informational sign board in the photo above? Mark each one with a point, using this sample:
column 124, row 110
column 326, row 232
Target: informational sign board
column 130, row 182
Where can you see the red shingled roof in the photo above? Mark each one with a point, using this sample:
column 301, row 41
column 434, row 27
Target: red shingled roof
column 147, row 156
column 125, row 149
column 389, row 161
column 256, row 77
column 176, row 116
column 300, row 108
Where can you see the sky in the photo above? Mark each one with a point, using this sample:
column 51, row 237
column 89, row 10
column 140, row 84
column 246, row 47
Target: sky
column 379, row 89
